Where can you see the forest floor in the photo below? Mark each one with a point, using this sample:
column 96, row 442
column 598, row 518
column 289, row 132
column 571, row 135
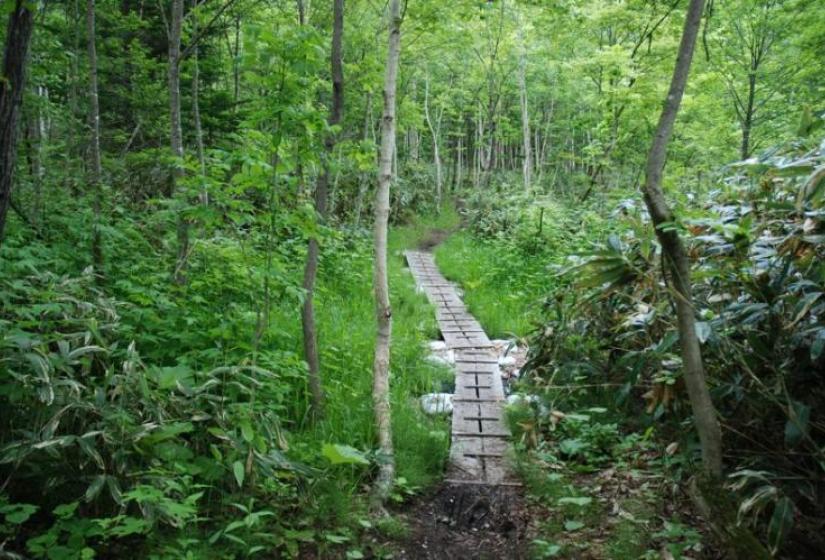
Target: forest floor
column 467, row 521
column 434, row 238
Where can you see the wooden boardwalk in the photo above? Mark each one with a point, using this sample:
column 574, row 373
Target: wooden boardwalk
column 480, row 437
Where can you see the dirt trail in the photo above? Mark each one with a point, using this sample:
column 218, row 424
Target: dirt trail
column 462, row 521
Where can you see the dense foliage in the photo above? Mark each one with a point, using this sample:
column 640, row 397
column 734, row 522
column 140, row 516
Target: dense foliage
column 153, row 389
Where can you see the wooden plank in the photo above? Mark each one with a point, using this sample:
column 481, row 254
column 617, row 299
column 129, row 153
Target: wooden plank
column 491, row 410
column 468, row 445
column 479, row 360
column 453, row 326
column 483, row 354
column 459, row 482
column 469, row 343
column 473, row 368
column 502, row 436
column 473, row 394
column 496, row 473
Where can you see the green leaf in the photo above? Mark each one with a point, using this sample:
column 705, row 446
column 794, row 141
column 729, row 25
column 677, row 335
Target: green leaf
column 66, row 511
column 780, row 524
column 580, row 501
column 240, row 473
column 573, row 525
column 797, row 425
column 336, row 539
column 338, row 454
column 129, row 526
column 247, row 432
column 17, row 514
column 572, row 446
column 94, row 488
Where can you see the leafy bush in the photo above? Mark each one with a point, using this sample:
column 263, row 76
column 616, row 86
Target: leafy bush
column 758, row 250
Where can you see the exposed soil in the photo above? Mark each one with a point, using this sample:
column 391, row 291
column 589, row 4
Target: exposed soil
column 433, row 238
column 467, row 521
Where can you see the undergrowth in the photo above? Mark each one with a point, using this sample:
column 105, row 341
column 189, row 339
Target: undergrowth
column 171, row 421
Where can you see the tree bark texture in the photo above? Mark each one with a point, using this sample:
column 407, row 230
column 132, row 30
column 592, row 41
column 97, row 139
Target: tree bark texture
column 527, row 164
column 176, row 134
column 310, row 331
column 383, row 313
column 15, row 54
column 96, row 168
column 673, row 249
column 434, row 132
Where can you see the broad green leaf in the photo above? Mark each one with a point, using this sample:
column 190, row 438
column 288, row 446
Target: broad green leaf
column 66, row 511
column 94, row 488
column 780, row 524
column 240, row 473
column 797, row 425
column 572, row 446
column 17, row 514
column 573, row 525
column 247, row 432
column 338, row 454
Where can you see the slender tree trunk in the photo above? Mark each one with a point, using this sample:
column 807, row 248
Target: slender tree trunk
column 383, row 313
column 678, row 263
column 527, row 164
column 414, row 137
column 96, row 169
column 363, row 181
column 196, row 115
column 459, row 164
column 302, row 13
column 74, row 74
column 15, row 54
column 747, row 121
column 436, row 153
column 176, row 136
column 541, row 155
column 321, row 187
column 479, row 151
column 236, row 62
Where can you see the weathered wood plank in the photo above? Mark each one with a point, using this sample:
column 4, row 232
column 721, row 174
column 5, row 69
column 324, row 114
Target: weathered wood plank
column 479, row 431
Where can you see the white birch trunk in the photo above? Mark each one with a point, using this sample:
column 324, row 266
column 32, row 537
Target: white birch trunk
column 383, row 313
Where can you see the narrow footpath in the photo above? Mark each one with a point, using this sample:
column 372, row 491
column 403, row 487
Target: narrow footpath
column 480, row 438
column 478, row 511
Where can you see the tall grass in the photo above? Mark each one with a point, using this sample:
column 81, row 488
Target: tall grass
column 493, row 285
column 346, row 334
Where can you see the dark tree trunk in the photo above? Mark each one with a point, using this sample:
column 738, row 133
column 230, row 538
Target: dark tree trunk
column 15, row 55
column 678, row 264
column 321, row 188
column 747, row 121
